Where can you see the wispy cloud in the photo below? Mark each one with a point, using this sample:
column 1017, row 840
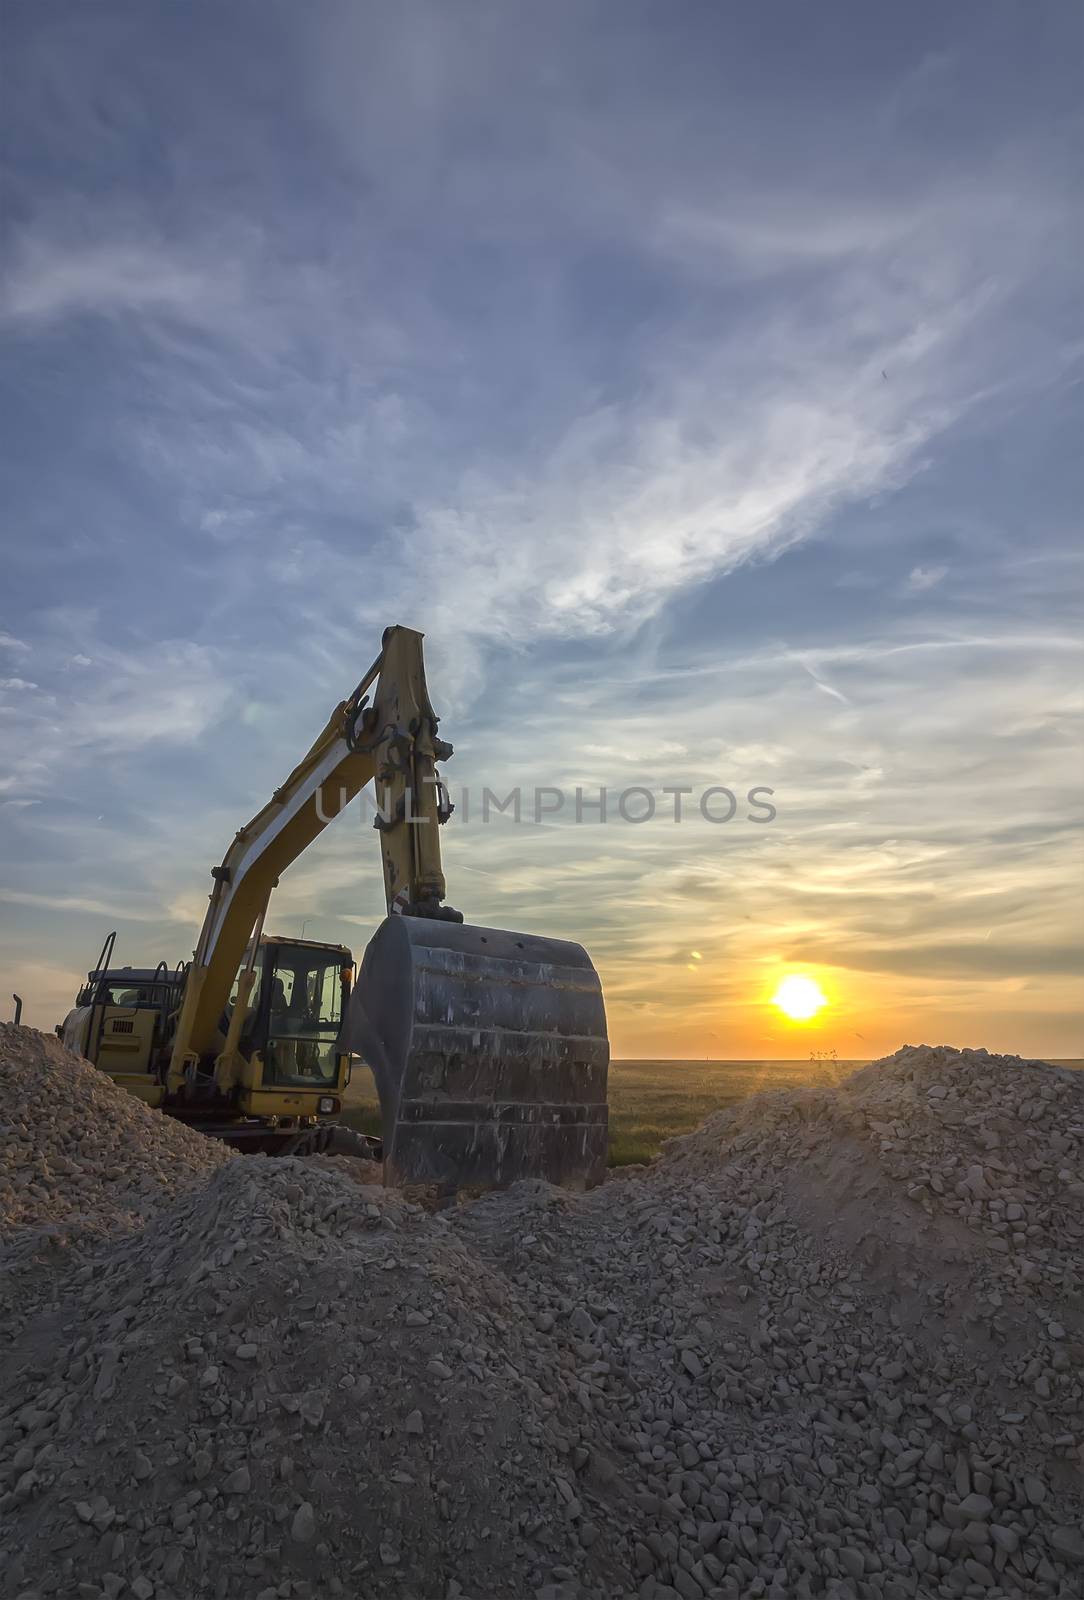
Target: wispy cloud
column 49, row 279
column 825, row 688
column 699, row 401
column 164, row 692
column 75, row 902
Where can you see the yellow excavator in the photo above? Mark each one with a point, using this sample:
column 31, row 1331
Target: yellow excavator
column 488, row 1048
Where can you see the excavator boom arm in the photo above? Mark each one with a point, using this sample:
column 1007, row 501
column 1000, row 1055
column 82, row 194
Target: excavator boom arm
column 392, row 740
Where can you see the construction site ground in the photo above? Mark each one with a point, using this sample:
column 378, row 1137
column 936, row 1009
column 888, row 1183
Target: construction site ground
column 829, row 1343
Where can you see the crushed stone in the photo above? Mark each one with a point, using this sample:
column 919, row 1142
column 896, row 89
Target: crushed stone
column 831, row 1344
column 80, row 1162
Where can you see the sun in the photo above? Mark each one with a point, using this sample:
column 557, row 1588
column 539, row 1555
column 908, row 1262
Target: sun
column 799, row 998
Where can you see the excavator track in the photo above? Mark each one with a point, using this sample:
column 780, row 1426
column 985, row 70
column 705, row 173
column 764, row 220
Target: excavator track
column 332, row 1139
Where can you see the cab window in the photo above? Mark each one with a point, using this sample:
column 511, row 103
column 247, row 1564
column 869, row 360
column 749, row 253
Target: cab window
column 129, row 995
column 306, row 993
column 304, row 1015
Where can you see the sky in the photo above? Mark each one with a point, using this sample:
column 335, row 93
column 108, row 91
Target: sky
column 703, row 380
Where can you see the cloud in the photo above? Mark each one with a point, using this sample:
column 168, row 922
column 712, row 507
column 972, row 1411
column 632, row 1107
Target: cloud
column 49, row 279
column 727, row 448
column 699, row 439
column 825, row 688
column 949, row 962
column 116, row 907
column 920, row 579
column 169, row 693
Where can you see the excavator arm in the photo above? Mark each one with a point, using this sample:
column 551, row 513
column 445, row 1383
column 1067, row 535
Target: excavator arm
column 385, row 731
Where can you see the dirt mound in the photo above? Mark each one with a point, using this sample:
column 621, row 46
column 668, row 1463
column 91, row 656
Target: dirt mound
column 989, row 1148
column 80, row 1161
column 811, row 1352
column 824, row 1385
column 301, row 1377
column 73, row 1148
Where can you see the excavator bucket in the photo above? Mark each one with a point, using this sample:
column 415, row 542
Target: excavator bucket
column 489, row 1051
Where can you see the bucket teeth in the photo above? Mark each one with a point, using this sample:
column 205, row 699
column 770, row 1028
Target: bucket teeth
column 489, row 1051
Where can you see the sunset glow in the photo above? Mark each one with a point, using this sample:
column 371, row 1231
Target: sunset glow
column 799, row 998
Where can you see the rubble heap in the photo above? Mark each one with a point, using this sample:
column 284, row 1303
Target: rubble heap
column 76, row 1151
column 831, row 1344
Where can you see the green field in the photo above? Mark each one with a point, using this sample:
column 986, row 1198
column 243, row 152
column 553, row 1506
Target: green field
column 654, row 1100
column 651, row 1101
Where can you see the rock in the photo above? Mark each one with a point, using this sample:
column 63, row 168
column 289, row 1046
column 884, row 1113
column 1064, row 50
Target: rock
column 686, row 1585
column 303, row 1526
column 852, row 1561
column 1068, row 1544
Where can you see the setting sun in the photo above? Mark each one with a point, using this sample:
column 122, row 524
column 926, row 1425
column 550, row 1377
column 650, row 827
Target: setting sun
column 799, row 998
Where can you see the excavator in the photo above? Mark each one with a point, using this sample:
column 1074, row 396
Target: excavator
column 488, row 1048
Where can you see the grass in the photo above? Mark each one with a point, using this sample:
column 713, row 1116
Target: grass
column 651, row 1101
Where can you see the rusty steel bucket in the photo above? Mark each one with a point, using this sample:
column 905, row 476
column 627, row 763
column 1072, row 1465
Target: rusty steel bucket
column 489, row 1051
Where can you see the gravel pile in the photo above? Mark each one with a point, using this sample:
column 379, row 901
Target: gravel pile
column 77, row 1151
column 79, row 1162
column 831, row 1344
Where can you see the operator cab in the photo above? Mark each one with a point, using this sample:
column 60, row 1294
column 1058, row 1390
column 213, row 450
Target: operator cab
column 295, row 1012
